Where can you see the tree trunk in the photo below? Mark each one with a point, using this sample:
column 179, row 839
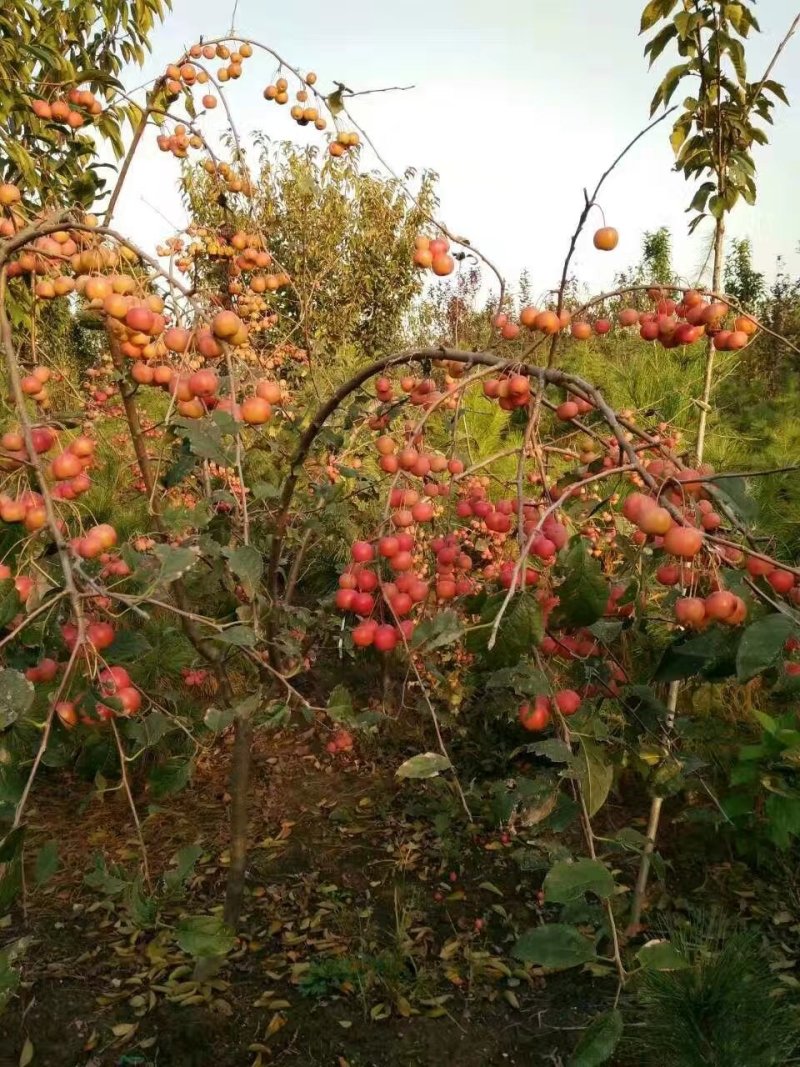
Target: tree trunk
column 238, row 788
column 716, row 283
column 674, row 687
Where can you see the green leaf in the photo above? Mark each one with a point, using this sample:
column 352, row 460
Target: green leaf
column 735, row 492
column 149, row 729
column 657, row 44
column 554, row 945
column 777, row 90
column 655, row 10
column 11, row 844
column 170, row 777
column 424, row 765
column 46, row 862
column 204, row 936
column 669, row 84
column 661, row 956
column 9, row 601
column 736, row 52
column 9, row 977
column 104, row 880
column 701, row 196
column 519, row 631
column 335, row 102
column 525, row 679
column 128, row 646
column 205, row 440
column 567, row 881
column 598, row 1042
column 734, row 13
column 184, row 860
column 595, row 775
column 26, row 1056
column 238, row 635
column 761, row 645
column 443, row 629
column 218, row 719
column 247, row 564
column 553, row 749
column 180, row 469
column 710, row 654
column 175, row 561
column 16, row 696
column 583, row 594
column 340, row 705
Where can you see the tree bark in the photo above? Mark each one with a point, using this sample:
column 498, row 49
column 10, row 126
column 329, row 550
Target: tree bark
column 239, row 780
column 674, row 687
column 708, row 382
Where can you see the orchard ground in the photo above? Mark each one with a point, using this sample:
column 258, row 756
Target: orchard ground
column 367, row 938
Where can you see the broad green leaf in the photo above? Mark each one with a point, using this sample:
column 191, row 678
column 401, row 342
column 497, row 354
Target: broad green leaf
column 9, row 977
column 128, row 647
column 11, row 844
column 175, row 561
column 525, row 679
column 661, row 956
column 598, row 1041
column 46, row 862
column 552, row 749
column 583, row 594
column 567, row 882
column 335, row 102
column 205, row 440
column 655, row 10
column 761, row 645
column 424, row 765
column 149, row 729
column 443, row 629
column 247, row 564
column 657, row 44
column 554, row 945
column 105, row 880
column 204, row 936
column 184, row 861
column 218, row 719
column 26, row 1056
column 16, row 696
column 711, row 654
column 340, row 705
column 596, row 775
column 519, row 631
column 170, row 777
column 242, row 637
column 9, row 601
column 238, row 635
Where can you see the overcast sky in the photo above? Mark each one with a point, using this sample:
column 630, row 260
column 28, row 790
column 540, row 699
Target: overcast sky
column 517, row 105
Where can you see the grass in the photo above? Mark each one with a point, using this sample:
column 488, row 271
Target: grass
column 723, row 1010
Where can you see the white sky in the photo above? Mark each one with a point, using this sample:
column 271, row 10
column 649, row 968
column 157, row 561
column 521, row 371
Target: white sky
column 517, row 104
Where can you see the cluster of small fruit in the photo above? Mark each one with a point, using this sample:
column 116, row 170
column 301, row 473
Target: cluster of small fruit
column 671, row 323
column 114, row 685
column 68, row 469
column 433, row 253
column 78, row 107
column 198, row 393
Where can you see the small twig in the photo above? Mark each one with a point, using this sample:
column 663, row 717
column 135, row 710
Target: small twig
column 127, row 787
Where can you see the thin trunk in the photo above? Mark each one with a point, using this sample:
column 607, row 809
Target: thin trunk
column 240, row 774
column 705, row 407
column 674, row 687
column 243, row 732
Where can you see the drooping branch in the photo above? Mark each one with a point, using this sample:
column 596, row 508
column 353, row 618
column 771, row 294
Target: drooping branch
column 589, row 203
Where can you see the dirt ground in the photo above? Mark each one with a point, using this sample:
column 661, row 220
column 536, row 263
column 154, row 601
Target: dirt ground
column 368, row 940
